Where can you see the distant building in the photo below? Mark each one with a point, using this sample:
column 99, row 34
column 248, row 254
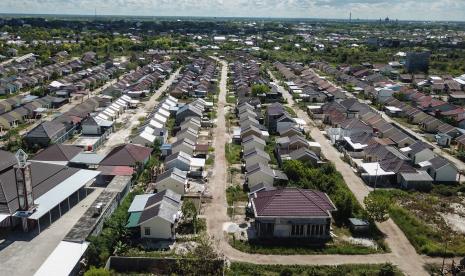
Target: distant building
column 417, row 62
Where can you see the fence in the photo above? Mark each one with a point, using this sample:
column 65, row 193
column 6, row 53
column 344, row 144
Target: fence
column 165, row 266
column 65, row 136
column 102, row 139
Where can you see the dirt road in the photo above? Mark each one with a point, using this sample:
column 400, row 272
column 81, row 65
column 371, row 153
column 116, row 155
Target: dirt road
column 131, row 120
column 403, row 254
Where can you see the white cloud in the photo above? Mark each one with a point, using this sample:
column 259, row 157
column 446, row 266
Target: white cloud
column 401, row 9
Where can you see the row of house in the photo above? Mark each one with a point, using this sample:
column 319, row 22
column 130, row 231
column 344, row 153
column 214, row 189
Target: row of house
column 154, row 128
column 22, row 79
column 426, row 111
column 197, row 80
column 278, row 212
column 61, row 127
column 308, row 86
column 156, row 215
column 382, row 152
column 20, row 109
column 89, row 78
column 189, row 151
column 143, row 80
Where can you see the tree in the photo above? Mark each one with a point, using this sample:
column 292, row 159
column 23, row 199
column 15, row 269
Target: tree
column 190, row 212
column 260, row 89
column 377, row 207
column 387, row 270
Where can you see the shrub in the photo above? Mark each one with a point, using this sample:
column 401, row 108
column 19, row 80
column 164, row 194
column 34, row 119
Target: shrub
column 326, row 179
column 93, row 271
column 235, row 193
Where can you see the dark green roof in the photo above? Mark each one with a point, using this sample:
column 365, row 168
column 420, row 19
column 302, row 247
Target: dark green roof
column 133, row 220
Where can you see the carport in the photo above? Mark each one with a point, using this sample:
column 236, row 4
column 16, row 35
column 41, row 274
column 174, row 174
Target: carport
column 61, row 198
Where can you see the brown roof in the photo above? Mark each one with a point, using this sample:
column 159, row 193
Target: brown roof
column 7, row 159
column 201, row 147
column 58, row 152
column 126, row 155
column 292, row 202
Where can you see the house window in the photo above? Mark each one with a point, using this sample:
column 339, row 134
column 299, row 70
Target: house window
column 147, row 231
column 297, row 230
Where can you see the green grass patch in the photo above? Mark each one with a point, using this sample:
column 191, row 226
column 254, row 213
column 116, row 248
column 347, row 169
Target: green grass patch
column 239, row 268
column 187, row 228
column 300, row 247
column 236, row 193
column 417, row 216
column 233, row 153
column 424, row 238
column 290, row 110
column 210, row 160
column 269, row 148
column 231, row 99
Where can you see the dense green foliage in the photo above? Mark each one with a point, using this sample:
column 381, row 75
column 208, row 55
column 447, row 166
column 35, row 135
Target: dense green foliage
column 301, row 247
column 237, row 268
column 426, row 238
column 326, row 179
column 377, row 207
column 93, row 271
column 102, row 246
column 258, row 89
column 236, row 193
column 233, row 153
column 190, row 213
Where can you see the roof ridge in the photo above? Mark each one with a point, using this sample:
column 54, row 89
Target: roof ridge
column 270, row 198
column 302, row 191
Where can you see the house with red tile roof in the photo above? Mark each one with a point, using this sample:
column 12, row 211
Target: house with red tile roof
column 292, row 213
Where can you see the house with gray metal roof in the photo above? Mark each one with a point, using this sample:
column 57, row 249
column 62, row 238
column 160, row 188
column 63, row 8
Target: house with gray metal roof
column 155, row 215
column 172, row 179
column 54, row 189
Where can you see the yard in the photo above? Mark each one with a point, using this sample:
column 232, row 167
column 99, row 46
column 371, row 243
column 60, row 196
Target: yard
column 237, row 268
column 236, row 193
column 430, row 221
column 233, row 153
column 342, row 242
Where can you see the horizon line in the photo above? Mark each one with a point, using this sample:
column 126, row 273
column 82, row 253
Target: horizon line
column 2, row 14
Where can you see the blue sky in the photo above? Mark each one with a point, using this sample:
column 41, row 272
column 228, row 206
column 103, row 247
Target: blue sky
column 367, row 9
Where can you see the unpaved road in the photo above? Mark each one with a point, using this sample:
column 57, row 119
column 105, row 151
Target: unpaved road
column 131, row 120
column 403, row 254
